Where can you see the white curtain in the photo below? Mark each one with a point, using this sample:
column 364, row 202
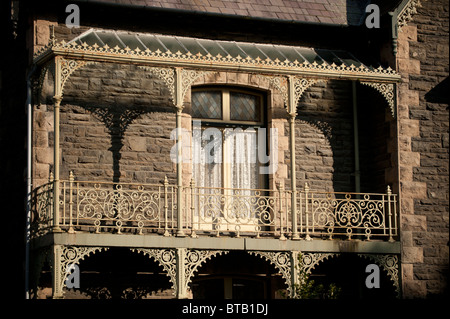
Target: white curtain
column 207, row 159
column 239, row 149
column 207, row 171
column 242, row 146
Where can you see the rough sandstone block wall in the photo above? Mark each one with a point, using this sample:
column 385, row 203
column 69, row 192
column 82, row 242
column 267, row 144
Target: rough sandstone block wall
column 377, row 142
column 324, row 136
column 325, row 147
column 423, row 151
column 115, row 126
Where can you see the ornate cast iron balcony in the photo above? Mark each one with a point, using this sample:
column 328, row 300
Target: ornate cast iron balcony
column 152, row 209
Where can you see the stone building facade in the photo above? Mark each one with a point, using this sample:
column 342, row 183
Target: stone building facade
column 423, row 149
column 343, row 138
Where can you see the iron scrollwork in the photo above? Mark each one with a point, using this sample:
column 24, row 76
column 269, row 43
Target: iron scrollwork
column 282, row 261
column 390, row 265
column 388, row 92
column 68, row 255
column 166, row 258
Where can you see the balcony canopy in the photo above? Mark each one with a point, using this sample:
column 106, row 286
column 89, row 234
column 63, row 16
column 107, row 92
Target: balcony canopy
column 154, row 49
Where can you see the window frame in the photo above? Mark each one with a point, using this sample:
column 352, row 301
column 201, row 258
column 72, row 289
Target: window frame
column 226, row 122
column 226, row 106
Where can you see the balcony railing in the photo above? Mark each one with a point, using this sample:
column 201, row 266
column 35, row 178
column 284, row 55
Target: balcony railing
column 152, row 208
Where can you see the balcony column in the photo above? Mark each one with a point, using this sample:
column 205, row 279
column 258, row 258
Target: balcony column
column 181, row 292
column 179, row 106
column 292, row 111
column 293, row 177
column 294, row 270
column 356, row 138
column 57, row 98
column 57, row 292
column 56, row 151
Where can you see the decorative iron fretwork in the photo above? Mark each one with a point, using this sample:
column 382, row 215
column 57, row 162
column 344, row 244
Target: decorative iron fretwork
column 191, row 260
column 194, row 258
column 407, row 13
column 166, row 258
column 152, row 208
column 188, row 77
column 310, row 260
column 165, row 74
column 390, row 265
column 281, row 83
column 68, row 66
column 42, row 209
column 348, row 214
column 236, row 210
column 124, row 206
column 202, row 60
column 71, row 255
column 299, row 86
column 288, row 263
column 388, row 92
column 168, row 75
column 282, row 261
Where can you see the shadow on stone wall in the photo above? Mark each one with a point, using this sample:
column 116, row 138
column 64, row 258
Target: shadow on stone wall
column 118, row 96
column 325, row 148
column 324, row 132
column 116, row 119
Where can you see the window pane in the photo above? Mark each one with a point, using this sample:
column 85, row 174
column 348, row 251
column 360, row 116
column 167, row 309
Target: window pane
column 244, row 107
column 207, row 104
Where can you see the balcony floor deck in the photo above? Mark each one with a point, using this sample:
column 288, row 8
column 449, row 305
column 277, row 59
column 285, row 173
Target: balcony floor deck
column 221, row 243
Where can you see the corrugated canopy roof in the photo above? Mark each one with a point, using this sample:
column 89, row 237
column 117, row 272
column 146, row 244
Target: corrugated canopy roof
column 215, row 54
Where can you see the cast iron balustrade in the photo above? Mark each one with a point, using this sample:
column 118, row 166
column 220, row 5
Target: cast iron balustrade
column 152, row 209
